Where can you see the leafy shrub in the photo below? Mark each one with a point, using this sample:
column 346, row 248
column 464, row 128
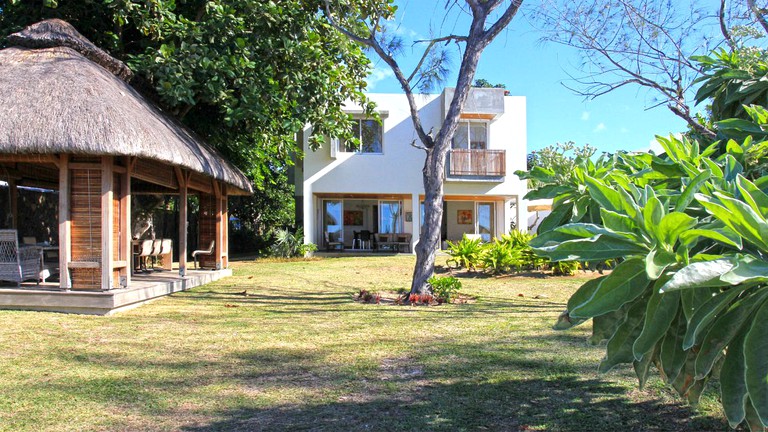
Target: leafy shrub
column 307, row 248
column 366, row 296
column 689, row 293
column 499, row 257
column 526, row 257
column 444, row 288
column 465, row 253
column 290, row 245
column 565, row 268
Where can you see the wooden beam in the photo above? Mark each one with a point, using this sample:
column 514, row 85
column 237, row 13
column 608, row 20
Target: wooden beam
column 13, row 191
column 219, row 227
column 107, row 209
column 28, row 158
column 85, row 165
column 126, row 239
column 65, row 239
column 225, row 222
column 183, row 178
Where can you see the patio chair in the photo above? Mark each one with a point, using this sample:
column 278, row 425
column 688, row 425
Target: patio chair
column 332, row 242
column 145, row 251
column 166, row 246
column 157, row 246
column 199, row 252
column 17, row 264
column 365, row 239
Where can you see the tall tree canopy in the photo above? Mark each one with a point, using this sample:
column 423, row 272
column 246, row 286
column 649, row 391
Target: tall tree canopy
column 246, row 75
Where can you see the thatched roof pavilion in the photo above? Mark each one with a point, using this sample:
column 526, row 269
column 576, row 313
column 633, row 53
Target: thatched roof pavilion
column 61, row 94
column 69, row 121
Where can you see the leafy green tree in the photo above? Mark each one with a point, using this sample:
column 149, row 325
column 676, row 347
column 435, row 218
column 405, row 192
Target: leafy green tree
column 484, row 83
column 246, row 75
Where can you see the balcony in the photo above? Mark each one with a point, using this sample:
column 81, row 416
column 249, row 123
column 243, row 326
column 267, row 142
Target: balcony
column 478, row 165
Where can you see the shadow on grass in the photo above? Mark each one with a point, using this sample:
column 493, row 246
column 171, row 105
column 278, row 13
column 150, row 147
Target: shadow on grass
column 560, row 404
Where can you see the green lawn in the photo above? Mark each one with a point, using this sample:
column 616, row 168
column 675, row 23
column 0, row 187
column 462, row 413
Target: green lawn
column 297, row 353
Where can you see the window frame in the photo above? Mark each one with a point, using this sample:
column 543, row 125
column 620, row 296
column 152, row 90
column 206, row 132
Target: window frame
column 380, row 127
column 468, row 123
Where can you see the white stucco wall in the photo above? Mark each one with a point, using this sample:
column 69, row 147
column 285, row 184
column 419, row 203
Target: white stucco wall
column 397, row 170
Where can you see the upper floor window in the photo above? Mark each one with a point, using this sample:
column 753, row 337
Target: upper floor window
column 369, row 134
column 471, row 135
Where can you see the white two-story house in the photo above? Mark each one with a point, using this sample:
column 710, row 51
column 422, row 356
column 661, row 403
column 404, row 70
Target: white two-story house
column 342, row 191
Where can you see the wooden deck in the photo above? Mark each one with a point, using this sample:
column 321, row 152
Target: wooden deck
column 144, row 287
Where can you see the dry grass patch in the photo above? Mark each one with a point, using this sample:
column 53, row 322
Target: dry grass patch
column 283, row 345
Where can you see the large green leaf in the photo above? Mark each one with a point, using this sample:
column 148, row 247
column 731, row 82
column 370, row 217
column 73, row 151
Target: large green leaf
column 747, row 270
column 693, row 299
column 626, row 282
column 756, row 360
column 611, row 199
column 620, row 223
column 738, row 216
column 661, row 311
column 604, row 326
column 657, row 261
column 585, row 292
column 724, row 329
column 565, row 321
column 653, row 212
column 619, row 349
column 700, row 274
column 723, row 235
column 643, row 367
column 560, row 214
column 756, row 198
column 705, row 315
column 597, row 248
column 672, row 357
column 693, row 187
column 671, row 226
column 547, row 192
column 733, row 382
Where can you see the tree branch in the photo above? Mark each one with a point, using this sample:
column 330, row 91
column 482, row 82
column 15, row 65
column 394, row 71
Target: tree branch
column 723, row 29
column 758, row 15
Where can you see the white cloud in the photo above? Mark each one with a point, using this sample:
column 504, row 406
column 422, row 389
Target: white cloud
column 585, row 115
column 600, row 127
column 377, row 75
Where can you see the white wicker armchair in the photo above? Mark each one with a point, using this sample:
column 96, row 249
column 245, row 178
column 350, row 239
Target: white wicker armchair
column 17, row 265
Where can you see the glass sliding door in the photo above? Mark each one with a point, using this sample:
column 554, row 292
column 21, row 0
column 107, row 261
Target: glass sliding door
column 390, row 217
column 485, row 221
column 333, row 211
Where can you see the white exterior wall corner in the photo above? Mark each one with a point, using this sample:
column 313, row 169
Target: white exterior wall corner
column 398, row 169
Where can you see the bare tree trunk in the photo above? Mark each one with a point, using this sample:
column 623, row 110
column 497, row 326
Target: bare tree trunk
column 480, row 34
column 426, row 249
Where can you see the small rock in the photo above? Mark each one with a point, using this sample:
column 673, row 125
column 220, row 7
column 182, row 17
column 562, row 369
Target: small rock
column 521, row 295
column 540, row 296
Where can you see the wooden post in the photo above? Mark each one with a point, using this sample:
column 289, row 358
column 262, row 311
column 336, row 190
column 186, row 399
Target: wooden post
column 183, row 198
column 219, row 226
column 13, row 191
column 65, row 239
column 225, row 226
column 126, row 236
column 107, row 209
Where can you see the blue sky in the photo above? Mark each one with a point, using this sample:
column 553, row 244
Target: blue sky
column 617, row 121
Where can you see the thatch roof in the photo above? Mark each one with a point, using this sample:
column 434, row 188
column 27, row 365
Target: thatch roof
column 55, row 99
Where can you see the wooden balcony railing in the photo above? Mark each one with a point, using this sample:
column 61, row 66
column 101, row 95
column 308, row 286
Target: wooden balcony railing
column 481, row 163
